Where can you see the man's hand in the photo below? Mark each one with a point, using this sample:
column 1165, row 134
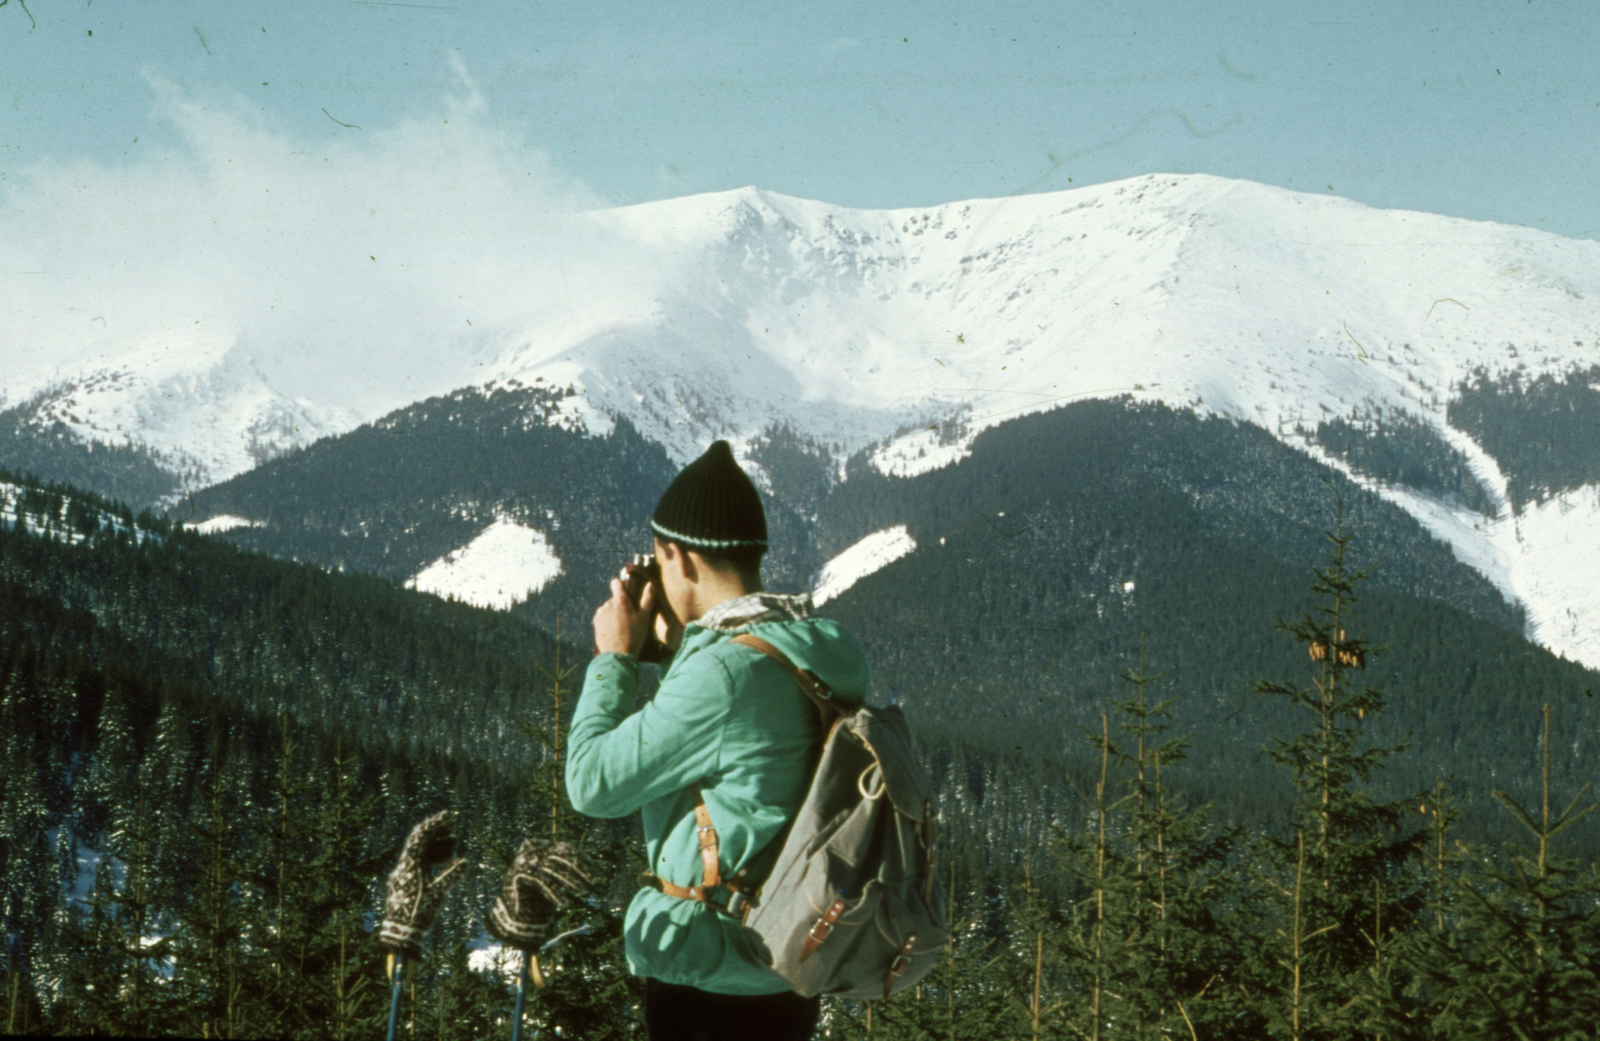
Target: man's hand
column 619, row 626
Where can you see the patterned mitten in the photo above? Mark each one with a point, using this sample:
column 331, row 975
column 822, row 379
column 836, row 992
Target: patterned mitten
column 415, row 891
column 545, row 877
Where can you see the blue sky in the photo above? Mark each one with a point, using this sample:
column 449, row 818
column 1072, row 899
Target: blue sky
column 1487, row 110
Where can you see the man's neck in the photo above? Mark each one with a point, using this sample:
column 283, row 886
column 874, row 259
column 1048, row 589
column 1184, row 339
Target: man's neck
column 707, row 595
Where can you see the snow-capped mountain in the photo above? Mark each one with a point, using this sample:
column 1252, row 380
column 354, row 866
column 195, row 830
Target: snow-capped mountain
column 908, row 332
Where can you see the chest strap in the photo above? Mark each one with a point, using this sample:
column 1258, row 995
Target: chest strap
column 738, row 900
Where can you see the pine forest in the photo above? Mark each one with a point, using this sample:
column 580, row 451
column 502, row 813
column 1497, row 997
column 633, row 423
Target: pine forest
column 211, row 758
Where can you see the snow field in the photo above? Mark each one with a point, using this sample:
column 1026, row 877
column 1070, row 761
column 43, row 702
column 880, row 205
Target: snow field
column 225, row 522
column 504, row 564
column 870, row 554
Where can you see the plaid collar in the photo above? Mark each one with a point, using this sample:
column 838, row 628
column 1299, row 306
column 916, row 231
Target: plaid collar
column 756, row 607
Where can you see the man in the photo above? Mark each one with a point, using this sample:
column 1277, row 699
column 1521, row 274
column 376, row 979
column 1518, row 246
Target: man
column 728, row 722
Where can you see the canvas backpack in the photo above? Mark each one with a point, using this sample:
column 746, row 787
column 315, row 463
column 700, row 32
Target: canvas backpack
column 850, row 906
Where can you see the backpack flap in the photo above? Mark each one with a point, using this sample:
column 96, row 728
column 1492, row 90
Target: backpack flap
column 884, row 733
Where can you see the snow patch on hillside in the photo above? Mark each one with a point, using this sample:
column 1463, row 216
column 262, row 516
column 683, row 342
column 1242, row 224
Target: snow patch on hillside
column 918, row 452
column 35, row 523
column 226, row 522
column 502, row 566
column 870, row 554
column 1557, row 552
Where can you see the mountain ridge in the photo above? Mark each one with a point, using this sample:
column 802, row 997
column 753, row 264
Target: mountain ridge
column 908, row 332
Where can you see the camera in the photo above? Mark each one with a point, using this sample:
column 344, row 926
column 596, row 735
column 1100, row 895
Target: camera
column 636, row 574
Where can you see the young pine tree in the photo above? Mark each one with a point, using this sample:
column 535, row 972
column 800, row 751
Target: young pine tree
column 588, row 991
column 1522, row 960
column 1332, row 894
column 1142, row 949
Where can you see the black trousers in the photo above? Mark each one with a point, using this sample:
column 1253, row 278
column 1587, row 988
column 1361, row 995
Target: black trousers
column 674, row 1013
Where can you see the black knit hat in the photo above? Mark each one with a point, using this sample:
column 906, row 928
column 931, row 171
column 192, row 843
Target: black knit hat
column 711, row 504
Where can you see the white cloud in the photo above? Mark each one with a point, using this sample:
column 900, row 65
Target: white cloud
column 423, row 246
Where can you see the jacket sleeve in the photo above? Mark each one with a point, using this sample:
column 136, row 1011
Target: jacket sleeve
column 617, row 761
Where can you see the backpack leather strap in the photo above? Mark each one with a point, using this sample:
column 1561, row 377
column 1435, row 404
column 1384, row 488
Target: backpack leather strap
column 710, row 870
column 820, row 693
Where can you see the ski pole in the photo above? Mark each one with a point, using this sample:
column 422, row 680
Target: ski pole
column 530, row 973
column 522, row 992
column 397, row 966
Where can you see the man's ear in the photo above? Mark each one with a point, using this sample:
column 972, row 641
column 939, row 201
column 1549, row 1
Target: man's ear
column 671, row 552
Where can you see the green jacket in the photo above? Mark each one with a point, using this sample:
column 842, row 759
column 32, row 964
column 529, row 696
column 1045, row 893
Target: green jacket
column 730, row 718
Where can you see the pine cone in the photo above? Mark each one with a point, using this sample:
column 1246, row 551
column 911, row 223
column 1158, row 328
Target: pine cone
column 545, row 877
column 415, row 892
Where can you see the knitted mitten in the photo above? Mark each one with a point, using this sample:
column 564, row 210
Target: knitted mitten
column 544, row 877
column 415, row 891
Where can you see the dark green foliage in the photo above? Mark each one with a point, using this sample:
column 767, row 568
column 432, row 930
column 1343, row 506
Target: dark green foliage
column 239, row 852
column 1323, row 891
column 1130, row 479
column 1544, row 431
column 801, row 477
column 1141, row 940
column 354, row 651
column 1522, row 959
column 1397, row 448
column 248, row 786
column 999, row 636
column 588, row 992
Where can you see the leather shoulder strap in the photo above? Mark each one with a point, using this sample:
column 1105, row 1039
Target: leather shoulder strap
column 710, row 870
column 820, row 693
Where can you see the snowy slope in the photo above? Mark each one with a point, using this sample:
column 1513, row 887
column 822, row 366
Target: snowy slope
column 501, row 566
column 869, row 554
column 1236, row 298
column 53, row 523
column 908, row 332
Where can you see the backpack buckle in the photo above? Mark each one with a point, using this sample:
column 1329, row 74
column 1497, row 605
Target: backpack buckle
column 821, row 928
column 898, row 967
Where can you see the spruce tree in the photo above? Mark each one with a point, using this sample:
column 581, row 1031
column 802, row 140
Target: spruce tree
column 1327, row 892
column 588, row 990
column 1523, row 958
column 210, row 922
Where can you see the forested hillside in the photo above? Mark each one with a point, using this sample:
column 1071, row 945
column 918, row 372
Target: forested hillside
column 195, row 751
column 1043, row 560
column 1544, row 430
column 50, row 451
column 183, row 852
column 1063, row 544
